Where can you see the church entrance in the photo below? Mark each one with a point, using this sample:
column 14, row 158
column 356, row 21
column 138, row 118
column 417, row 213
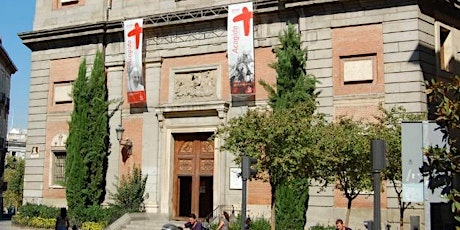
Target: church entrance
column 193, row 174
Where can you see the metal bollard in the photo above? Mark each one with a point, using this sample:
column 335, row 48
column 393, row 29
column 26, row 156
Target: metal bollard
column 414, row 222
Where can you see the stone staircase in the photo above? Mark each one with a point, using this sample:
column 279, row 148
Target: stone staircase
column 142, row 221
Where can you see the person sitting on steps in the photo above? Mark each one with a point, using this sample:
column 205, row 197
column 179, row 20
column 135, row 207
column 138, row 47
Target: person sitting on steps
column 193, row 223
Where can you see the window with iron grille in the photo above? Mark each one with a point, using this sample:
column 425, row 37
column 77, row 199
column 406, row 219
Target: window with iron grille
column 59, row 168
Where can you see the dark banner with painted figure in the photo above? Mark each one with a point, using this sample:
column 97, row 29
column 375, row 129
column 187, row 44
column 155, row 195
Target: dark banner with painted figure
column 133, row 60
column 240, row 42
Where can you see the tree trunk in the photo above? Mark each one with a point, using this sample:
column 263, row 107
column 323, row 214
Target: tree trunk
column 272, row 218
column 273, row 211
column 401, row 218
column 347, row 216
column 401, row 214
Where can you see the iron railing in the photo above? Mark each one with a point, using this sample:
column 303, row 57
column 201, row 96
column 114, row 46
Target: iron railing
column 212, row 216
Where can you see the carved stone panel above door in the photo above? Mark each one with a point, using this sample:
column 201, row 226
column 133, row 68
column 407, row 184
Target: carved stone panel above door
column 195, row 85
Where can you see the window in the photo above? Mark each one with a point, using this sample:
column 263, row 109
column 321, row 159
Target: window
column 445, row 51
column 448, row 48
column 58, row 169
column 57, row 4
column 63, row 92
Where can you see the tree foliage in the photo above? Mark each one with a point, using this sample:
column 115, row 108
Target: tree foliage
column 293, row 84
column 443, row 162
column 130, row 191
column 293, row 88
column 346, row 158
column 291, row 204
column 282, row 137
column 77, row 143
column 14, row 175
column 97, row 157
column 388, row 128
column 279, row 141
column 87, row 144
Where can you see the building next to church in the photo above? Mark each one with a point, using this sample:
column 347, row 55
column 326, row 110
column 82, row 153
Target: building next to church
column 17, row 143
column 7, row 69
column 362, row 52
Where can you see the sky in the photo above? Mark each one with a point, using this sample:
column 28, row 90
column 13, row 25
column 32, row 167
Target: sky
column 15, row 18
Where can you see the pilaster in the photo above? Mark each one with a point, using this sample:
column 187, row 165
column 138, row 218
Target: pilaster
column 151, row 145
column 115, row 91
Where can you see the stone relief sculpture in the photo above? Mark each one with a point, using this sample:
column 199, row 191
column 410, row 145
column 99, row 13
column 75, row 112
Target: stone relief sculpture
column 195, row 86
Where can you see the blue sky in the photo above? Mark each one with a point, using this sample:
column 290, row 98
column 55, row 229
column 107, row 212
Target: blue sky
column 15, row 17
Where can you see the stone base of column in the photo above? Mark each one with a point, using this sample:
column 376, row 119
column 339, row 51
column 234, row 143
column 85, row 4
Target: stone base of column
column 152, row 207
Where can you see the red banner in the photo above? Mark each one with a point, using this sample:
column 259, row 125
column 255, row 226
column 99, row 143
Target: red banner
column 240, row 48
column 133, row 61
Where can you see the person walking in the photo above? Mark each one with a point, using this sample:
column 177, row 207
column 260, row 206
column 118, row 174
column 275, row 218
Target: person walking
column 225, row 222
column 340, row 226
column 62, row 222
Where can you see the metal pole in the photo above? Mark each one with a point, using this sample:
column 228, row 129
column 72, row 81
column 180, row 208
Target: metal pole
column 376, row 175
column 378, row 150
column 243, row 205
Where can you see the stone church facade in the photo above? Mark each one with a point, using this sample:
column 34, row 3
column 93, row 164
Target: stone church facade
column 362, row 52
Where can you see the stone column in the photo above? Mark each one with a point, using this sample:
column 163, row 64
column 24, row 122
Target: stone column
column 151, row 137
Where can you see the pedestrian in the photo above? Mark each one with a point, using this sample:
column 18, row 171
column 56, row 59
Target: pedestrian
column 193, row 223
column 247, row 223
column 224, row 223
column 62, row 222
column 340, row 226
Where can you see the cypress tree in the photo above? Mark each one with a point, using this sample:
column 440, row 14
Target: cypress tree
column 77, row 143
column 98, row 128
column 88, row 141
column 293, row 87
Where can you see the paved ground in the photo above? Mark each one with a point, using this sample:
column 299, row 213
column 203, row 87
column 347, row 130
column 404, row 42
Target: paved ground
column 6, row 225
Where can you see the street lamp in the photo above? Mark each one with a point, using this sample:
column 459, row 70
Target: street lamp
column 127, row 143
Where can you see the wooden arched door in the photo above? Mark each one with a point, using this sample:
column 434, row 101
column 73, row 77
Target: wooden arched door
column 193, row 174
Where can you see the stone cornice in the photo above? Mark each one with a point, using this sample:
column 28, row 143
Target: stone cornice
column 112, row 31
column 59, row 37
column 4, row 58
column 92, row 33
column 218, row 108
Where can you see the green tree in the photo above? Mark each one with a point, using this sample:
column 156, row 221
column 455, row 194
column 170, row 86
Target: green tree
column 284, row 143
column 14, row 175
column 98, row 127
column 77, row 143
column 87, row 144
column 443, row 165
column 282, row 138
column 346, row 161
column 293, row 87
column 130, row 191
column 388, row 128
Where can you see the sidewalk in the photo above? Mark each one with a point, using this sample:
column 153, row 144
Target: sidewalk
column 6, row 225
